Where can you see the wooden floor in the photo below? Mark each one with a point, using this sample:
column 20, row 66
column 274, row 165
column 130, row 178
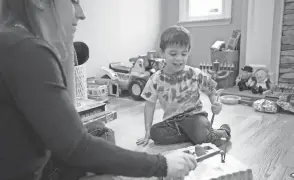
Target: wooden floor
column 264, row 142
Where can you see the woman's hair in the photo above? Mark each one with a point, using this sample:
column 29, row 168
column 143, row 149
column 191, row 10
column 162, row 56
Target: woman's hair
column 40, row 18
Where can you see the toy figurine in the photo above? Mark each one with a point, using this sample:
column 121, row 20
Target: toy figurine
column 260, row 81
column 244, row 76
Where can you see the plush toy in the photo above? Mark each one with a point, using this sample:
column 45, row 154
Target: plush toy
column 244, row 76
column 260, row 81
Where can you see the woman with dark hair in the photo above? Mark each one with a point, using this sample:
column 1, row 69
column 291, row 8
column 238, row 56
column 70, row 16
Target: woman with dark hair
column 37, row 112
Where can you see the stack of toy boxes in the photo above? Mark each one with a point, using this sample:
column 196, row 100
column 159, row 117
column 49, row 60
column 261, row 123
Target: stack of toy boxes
column 97, row 92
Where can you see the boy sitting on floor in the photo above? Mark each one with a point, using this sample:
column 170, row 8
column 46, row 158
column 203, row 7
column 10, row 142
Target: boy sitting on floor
column 177, row 87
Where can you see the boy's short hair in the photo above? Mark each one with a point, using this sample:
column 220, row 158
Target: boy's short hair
column 175, row 35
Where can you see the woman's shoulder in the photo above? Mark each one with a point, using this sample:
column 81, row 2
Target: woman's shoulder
column 10, row 36
column 16, row 39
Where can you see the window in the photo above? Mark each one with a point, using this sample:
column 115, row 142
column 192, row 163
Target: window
column 205, row 12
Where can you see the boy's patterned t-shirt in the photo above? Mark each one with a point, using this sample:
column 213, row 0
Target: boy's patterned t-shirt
column 179, row 93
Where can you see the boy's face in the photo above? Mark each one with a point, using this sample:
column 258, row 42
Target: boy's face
column 176, row 57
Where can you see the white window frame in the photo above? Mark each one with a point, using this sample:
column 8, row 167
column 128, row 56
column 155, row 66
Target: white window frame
column 217, row 20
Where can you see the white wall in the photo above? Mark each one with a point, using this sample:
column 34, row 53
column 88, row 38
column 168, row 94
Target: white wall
column 259, row 31
column 263, row 35
column 116, row 30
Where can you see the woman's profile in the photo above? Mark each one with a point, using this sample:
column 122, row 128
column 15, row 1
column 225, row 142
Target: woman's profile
column 37, row 113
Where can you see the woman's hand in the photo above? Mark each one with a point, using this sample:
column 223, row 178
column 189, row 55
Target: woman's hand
column 144, row 141
column 179, row 164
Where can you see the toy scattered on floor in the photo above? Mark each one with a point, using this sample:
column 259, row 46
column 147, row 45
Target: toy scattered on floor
column 285, row 102
column 260, row 81
column 278, row 89
column 247, row 97
column 112, row 86
column 230, row 99
column 133, row 78
column 203, row 151
column 98, row 92
column 214, row 163
column 279, row 98
column 283, row 96
column 264, row 105
column 199, row 150
column 243, row 77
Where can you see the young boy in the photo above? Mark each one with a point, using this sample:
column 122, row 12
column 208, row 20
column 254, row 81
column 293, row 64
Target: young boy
column 177, row 87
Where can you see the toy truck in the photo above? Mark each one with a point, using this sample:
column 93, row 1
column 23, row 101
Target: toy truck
column 134, row 78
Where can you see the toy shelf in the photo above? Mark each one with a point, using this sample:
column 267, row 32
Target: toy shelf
column 91, row 111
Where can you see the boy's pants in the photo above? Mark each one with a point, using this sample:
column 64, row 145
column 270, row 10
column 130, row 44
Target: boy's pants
column 194, row 128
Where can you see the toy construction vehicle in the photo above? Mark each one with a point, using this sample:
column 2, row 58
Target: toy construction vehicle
column 133, row 78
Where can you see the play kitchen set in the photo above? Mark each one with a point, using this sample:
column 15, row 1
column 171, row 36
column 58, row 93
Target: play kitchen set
column 216, row 164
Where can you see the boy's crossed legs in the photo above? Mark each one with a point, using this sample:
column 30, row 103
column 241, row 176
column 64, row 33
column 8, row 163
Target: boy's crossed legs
column 190, row 128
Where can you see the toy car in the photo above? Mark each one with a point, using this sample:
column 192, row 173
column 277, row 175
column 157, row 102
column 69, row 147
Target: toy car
column 132, row 78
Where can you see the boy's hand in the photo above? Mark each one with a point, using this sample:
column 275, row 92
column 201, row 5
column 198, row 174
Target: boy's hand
column 216, row 108
column 144, row 141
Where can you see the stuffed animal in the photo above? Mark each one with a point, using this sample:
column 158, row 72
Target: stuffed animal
column 260, row 81
column 244, row 76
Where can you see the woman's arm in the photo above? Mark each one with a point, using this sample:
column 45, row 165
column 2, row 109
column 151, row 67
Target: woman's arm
column 36, row 84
